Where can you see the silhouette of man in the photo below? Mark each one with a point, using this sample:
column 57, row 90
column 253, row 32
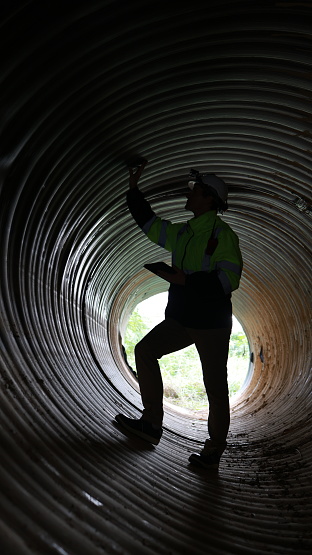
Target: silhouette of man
column 207, row 265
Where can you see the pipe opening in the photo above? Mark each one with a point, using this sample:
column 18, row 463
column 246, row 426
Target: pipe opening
column 181, row 371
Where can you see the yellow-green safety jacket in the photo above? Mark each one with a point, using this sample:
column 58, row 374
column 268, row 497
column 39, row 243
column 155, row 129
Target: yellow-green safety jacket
column 208, row 252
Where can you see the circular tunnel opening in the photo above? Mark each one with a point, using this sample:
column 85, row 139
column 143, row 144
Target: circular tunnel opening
column 181, row 370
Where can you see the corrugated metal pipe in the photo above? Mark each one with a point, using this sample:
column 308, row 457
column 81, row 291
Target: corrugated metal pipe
column 223, row 86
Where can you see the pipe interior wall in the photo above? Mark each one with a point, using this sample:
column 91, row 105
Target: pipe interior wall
column 84, row 87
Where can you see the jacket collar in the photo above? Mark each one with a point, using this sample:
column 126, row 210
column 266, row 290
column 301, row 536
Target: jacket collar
column 203, row 222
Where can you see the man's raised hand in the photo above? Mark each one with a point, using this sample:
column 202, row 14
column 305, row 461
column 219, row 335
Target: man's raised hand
column 135, row 174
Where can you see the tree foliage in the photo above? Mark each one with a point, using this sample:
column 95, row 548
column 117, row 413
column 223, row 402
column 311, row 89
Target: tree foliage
column 238, row 345
column 136, row 329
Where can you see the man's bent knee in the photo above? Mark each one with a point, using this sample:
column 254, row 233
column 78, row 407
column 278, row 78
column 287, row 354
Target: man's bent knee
column 146, row 348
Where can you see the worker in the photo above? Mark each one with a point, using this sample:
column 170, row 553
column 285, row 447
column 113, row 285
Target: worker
column 206, row 268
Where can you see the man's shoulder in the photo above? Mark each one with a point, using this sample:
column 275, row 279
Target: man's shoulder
column 225, row 227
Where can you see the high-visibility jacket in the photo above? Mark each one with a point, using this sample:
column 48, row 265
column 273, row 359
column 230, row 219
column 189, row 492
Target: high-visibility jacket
column 208, row 252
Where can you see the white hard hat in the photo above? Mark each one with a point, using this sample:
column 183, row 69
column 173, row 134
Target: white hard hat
column 215, row 183
column 212, row 181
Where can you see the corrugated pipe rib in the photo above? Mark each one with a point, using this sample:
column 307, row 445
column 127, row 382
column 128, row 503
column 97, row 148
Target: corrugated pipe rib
column 224, row 88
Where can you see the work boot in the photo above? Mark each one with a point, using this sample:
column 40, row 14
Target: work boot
column 140, row 428
column 209, row 457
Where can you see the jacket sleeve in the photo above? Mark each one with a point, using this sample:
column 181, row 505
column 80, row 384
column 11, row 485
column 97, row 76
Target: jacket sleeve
column 139, row 207
column 159, row 231
column 228, row 261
